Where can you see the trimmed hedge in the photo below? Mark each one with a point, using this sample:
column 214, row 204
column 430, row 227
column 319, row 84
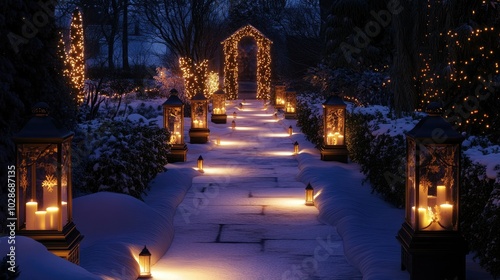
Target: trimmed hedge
column 119, row 156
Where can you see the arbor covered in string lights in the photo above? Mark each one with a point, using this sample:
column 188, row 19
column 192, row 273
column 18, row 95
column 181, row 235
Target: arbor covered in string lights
column 76, row 56
column 230, row 47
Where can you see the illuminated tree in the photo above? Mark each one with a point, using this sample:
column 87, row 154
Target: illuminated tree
column 195, row 76
column 458, row 62
column 76, row 56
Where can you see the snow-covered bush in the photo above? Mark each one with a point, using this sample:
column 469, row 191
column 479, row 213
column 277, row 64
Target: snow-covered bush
column 310, row 119
column 149, row 112
column 166, row 79
column 121, row 156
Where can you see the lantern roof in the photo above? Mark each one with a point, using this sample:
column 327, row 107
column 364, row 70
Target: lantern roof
column 334, row 100
column 309, row 187
column 199, row 96
column 173, row 100
column 42, row 128
column 145, row 252
column 435, row 128
column 220, row 91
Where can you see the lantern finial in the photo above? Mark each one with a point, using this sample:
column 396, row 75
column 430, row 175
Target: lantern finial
column 174, row 92
column 41, row 109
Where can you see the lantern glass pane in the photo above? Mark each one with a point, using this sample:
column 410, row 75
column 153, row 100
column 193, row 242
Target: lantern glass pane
column 38, row 186
column 218, row 104
column 291, row 102
column 280, row 95
column 438, row 187
column 65, row 181
column 174, row 124
column 334, row 126
column 199, row 115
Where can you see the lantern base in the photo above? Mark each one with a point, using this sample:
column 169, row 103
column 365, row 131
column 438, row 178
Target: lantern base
column 65, row 243
column 219, row 118
column 279, row 106
column 290, row 116
column 146, row 276
column 177, row 153
column 432, row 254
column 334, row 153
column 198, row 135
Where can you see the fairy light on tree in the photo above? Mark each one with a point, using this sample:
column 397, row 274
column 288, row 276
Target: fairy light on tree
column 230, row 47
column 195, row 76
column 459, row 62
column 61, row 53
column 76, row 56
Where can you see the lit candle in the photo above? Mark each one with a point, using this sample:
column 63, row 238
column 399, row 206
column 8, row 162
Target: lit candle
column 422, row 218
column 329, row 139
column 31, row 208
column 445, row 215
column 441, row 195
column 341, row 139
column 40, row 220
column 64, row 205
column 52, row 215
column 412, row 216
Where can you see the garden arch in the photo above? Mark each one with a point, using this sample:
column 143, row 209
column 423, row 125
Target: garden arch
column 230, row 47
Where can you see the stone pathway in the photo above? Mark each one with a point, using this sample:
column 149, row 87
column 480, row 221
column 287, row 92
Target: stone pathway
column 244, row 217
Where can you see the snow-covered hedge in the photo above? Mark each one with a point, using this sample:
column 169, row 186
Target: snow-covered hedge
column 376, row 142
column 119, row 155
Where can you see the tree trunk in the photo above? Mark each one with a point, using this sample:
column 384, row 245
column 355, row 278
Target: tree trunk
column 125, row 63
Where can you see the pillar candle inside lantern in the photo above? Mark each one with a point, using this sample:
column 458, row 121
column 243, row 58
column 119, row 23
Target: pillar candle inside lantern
column 441, row 195
column 31, row 208
column 445, row 216
column 422, row 218
column 52, row 217
column 40, row 220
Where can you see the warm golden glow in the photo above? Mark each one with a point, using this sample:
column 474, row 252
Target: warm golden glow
column 196, row 77
column 230, row 47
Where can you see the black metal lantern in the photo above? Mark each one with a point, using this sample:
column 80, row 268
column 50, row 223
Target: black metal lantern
column 290, row 104
column 334, row 115
column 44, row 198
column 309, row 195
column 219, row 107
column 432, row 246
column 199, row 132
column 290, row 130
column 173, row 120
column 296, row 148
column 280, row 97
column 200, row 163
column 145, row 263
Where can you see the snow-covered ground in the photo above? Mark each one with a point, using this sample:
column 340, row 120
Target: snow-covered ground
column 116, row 226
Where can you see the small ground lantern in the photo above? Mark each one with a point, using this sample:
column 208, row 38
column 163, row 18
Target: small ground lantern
column 309, row 195
column 173, row 120
column 234, row 115
column 280, row 97
column 44, row 198
column 199, row 132
column 145, row 263
column 233, row 124
column 200, row 163
column 334, row 113
column 290, row 104
column 296, row 147
column 432, row 246
column 219, row 107
column 290, row 130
